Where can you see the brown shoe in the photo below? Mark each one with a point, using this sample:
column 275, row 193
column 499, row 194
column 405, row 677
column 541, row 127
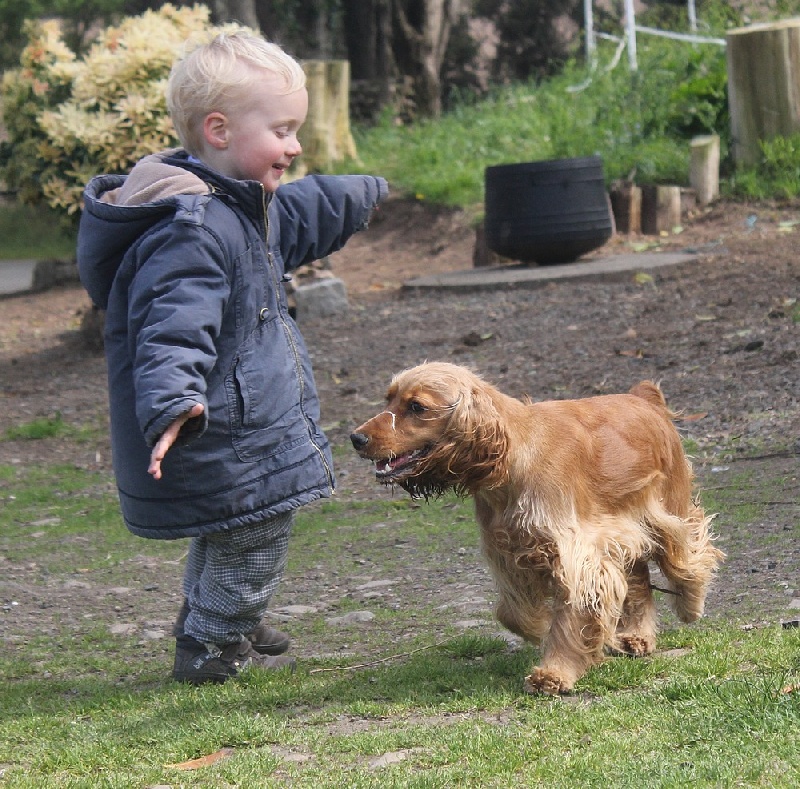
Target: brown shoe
column 197, row 663
column 264, row 639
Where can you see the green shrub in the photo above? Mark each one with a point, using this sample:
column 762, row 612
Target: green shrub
column 776, row 175
column 781, row 164
column 69, row 119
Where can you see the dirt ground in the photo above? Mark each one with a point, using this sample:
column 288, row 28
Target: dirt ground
column 721, row 334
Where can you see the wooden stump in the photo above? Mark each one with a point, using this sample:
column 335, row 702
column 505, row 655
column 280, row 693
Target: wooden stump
column 763, row 86
column 626, row 203
column 661, row 209
column 704, row 174
column 326, row 135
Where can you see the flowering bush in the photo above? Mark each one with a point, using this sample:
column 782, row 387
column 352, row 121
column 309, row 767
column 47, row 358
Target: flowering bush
column 68, row 119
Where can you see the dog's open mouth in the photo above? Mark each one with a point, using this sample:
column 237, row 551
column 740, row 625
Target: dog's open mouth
column 392, row 469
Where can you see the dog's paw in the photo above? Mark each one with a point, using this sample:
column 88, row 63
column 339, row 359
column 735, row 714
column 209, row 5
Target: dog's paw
column 541, row 680
column 633, row 646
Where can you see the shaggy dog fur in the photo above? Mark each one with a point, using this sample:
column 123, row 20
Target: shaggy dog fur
column 573, row 498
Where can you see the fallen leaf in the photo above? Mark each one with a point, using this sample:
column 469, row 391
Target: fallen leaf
column 705, row 317
column 790, row 689
column 641, row 278
column 202, row 761
column 693, row 417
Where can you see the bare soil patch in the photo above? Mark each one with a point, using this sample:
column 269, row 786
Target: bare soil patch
column 721, row 334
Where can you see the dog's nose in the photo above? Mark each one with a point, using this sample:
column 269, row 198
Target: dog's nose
column 359, row 440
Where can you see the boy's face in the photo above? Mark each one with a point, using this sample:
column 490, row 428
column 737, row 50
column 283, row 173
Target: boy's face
column 259, row 141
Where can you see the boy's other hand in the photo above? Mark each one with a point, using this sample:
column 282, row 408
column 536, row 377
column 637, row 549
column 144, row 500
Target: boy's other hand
column 168, row 439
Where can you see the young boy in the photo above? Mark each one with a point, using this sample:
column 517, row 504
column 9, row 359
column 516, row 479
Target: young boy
column 214, row 412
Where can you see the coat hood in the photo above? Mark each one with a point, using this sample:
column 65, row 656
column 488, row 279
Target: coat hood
column 119, row 210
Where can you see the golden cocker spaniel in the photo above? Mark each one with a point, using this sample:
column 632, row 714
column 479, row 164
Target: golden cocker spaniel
column 573, row 498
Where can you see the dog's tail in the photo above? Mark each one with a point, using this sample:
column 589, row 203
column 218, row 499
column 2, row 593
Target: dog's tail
column 651, row 392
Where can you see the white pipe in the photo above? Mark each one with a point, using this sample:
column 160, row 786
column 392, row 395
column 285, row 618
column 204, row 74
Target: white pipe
column 680, row 36
column 630, row 32
column 692, row 17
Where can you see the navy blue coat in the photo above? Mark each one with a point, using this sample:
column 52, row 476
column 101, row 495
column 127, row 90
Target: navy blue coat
column 189, row 267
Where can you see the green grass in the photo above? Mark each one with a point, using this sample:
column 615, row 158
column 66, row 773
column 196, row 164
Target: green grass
column 639, row 123
column 50, row 427
column 28, row 233
column 717, row 706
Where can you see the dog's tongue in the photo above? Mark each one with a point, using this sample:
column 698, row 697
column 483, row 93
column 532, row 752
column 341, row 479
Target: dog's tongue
column 390, row 464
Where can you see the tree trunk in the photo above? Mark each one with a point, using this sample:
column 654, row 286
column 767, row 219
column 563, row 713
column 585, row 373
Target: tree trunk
column 242, row 11
column 421, row 31
column 763, row 86
column 367, row 30
column 326, row 135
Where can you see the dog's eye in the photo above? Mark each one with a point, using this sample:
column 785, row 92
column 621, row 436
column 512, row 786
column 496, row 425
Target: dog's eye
column 416, row 408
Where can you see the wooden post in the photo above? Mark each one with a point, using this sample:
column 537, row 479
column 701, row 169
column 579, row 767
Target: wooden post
column 763, row 86
column 661, row 209
column 704, row 174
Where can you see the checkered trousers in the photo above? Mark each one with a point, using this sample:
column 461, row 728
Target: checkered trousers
column 230, row 577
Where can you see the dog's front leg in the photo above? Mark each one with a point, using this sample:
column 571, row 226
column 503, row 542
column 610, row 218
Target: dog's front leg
column 573, row 645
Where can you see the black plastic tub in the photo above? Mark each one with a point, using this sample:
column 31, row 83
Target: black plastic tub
column 547, row 212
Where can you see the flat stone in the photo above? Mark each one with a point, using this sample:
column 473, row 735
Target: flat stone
column 296, row 610
column 375, row 585
column 353, row 618
column 122, row 629
column 526, row 276
column 321, row 298
column 465, row 624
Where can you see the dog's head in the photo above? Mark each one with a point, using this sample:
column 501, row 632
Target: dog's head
column 440, row 430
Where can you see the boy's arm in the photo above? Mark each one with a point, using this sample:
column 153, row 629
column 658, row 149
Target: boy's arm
column 319, row 213
column 168, row 438
column 176, row 303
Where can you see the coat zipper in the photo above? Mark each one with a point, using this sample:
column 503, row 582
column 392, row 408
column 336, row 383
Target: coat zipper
column 288, row 330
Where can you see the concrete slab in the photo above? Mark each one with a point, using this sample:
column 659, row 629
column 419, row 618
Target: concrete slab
column 526, row 276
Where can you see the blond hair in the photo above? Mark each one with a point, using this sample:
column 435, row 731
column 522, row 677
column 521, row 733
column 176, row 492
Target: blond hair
column 217, row 76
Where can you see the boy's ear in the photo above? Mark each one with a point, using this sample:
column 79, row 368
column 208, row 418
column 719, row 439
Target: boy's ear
column 215, row 130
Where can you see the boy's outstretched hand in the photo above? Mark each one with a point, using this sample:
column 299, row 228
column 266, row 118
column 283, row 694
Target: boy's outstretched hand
column 168, row 439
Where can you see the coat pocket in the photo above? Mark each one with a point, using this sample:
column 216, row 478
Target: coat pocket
column 263, row 393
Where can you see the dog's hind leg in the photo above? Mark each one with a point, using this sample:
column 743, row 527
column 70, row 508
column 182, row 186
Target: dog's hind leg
column 688, row 559
column 637, row 627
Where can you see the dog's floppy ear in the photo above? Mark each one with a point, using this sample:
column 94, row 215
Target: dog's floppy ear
column 477, row 439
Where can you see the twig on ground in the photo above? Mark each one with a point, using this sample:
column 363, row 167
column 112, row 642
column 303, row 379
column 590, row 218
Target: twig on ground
column 380, row 660
column 665, row 591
